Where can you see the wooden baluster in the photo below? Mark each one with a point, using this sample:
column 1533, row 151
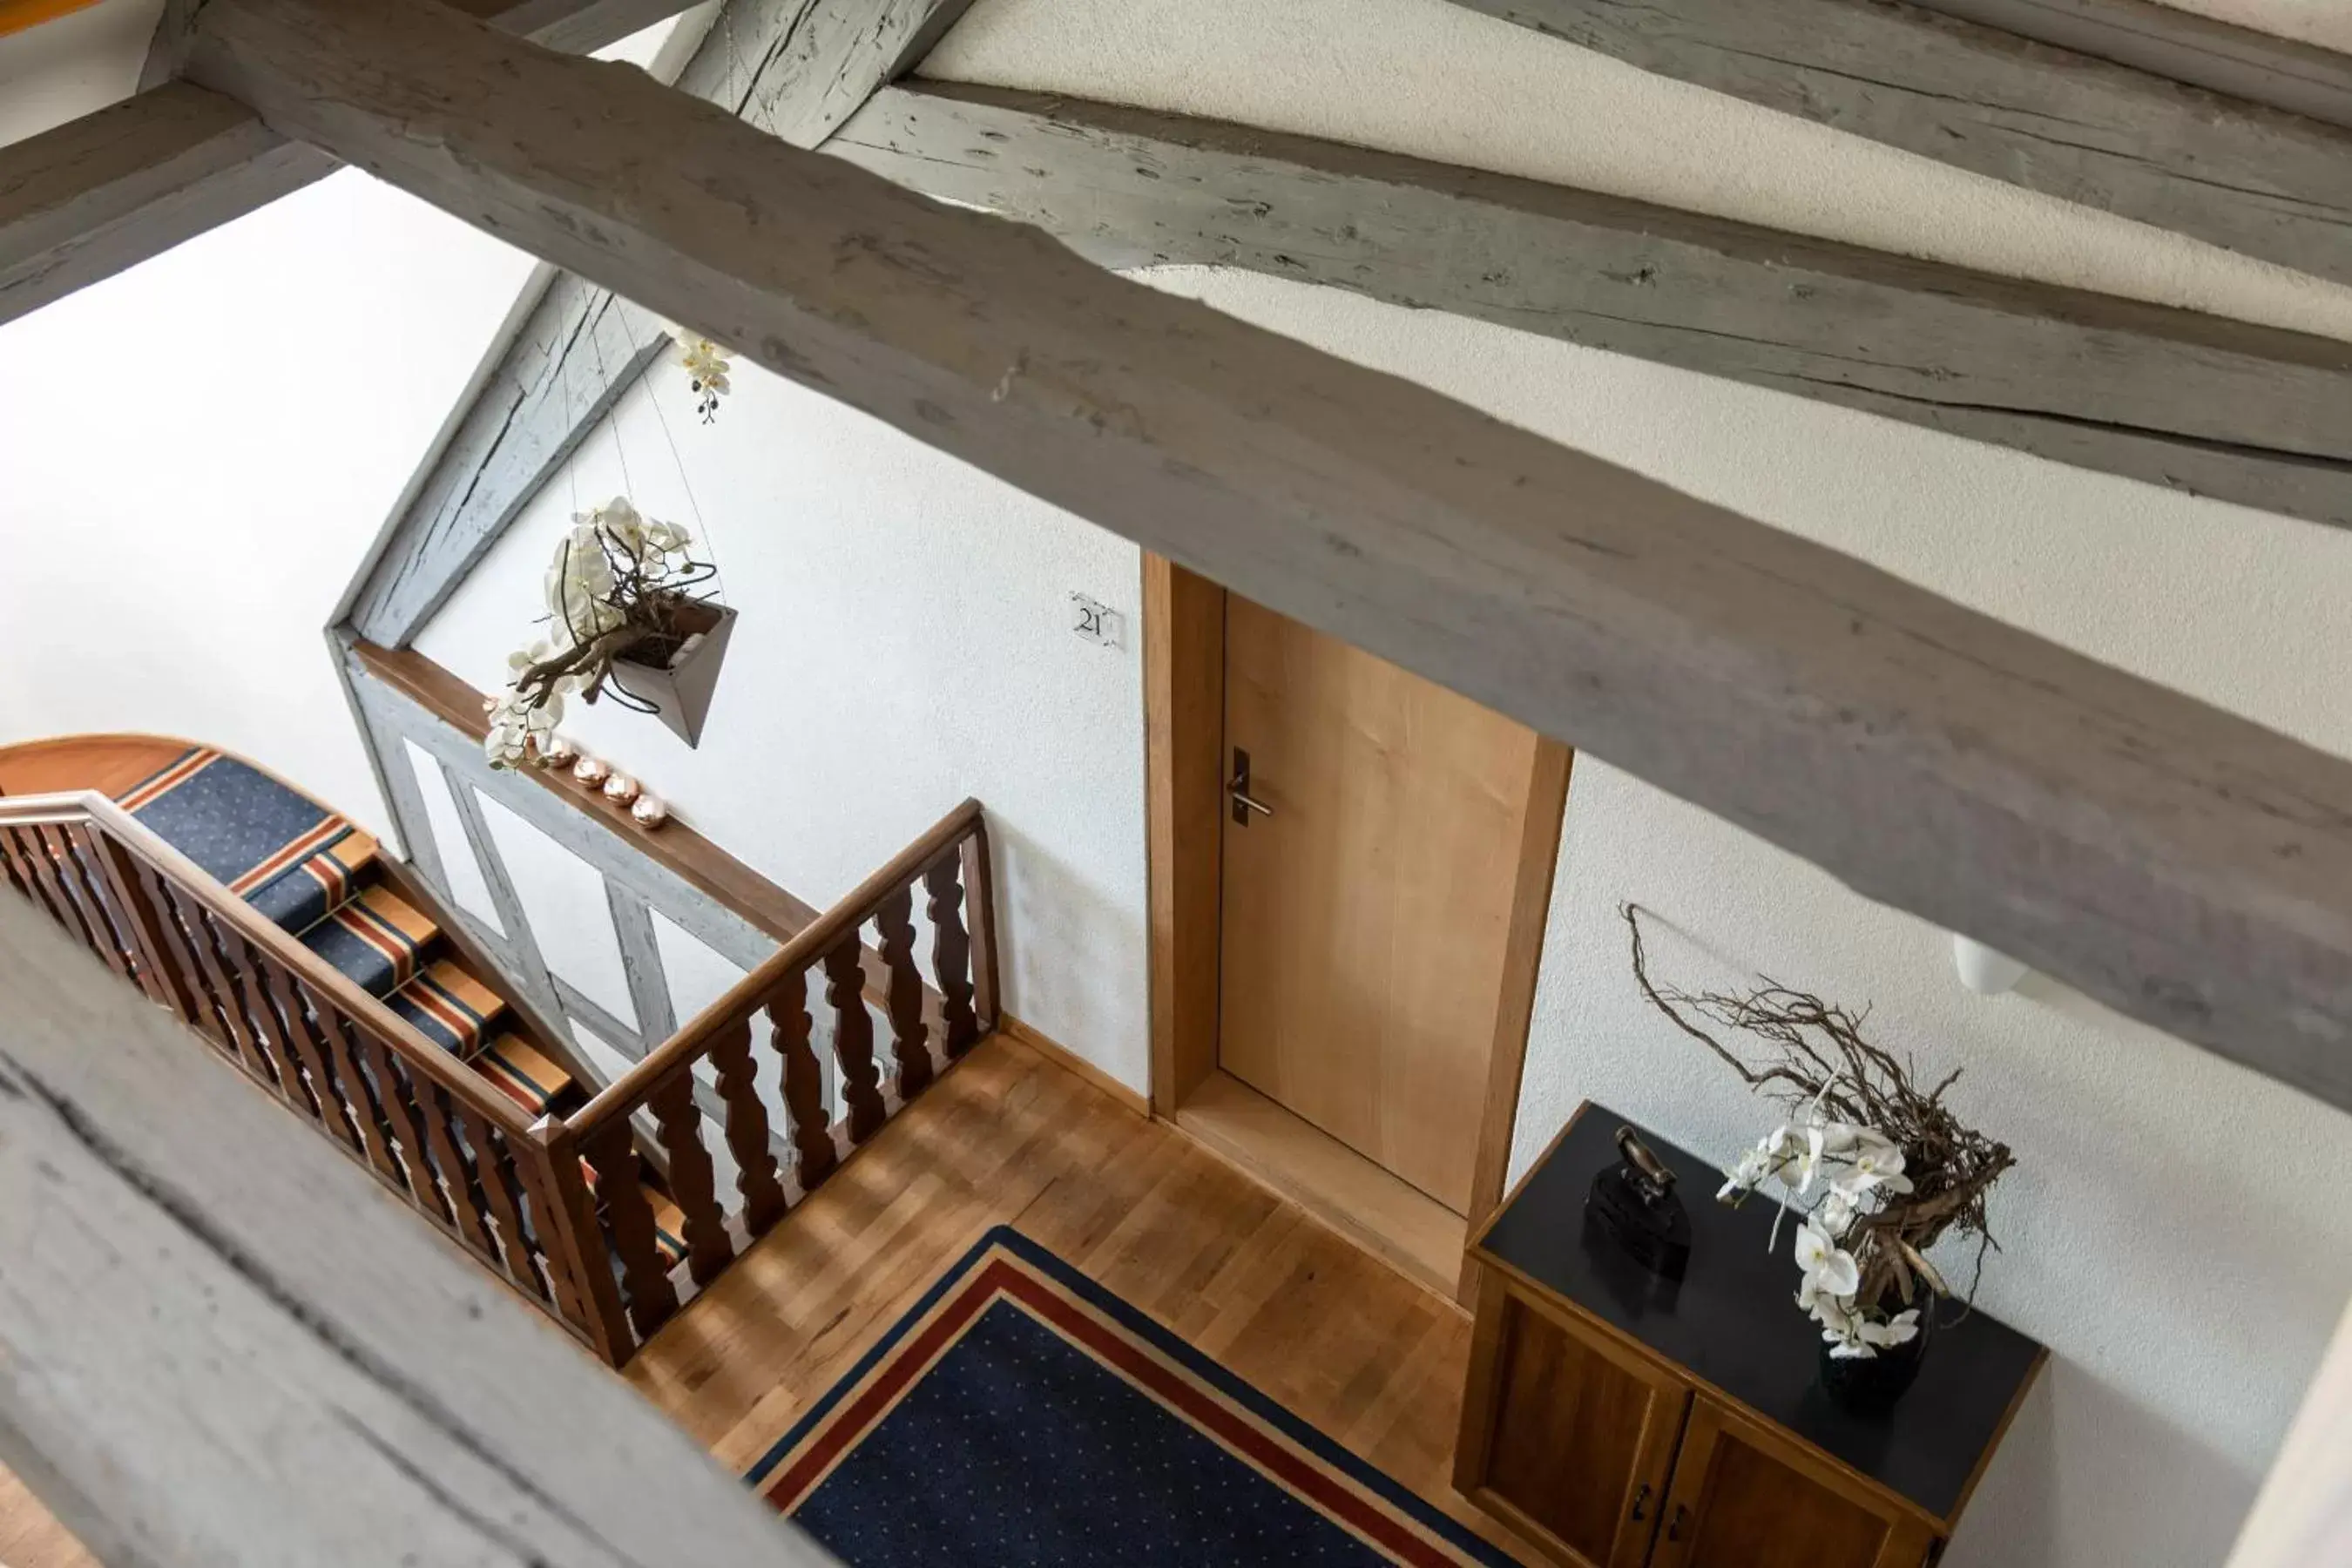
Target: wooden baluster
column 747, row 1128
column 19, row 876
column 577, row 1255
column 84, row 878
column 852, row 1038
column 302, row 1031
column 235, row 1030
column 910, row 1047
column 391, row 1090
column 168, row 980
column 458, row 1183
column 950, row 953
column 180, row 956
column 359, row 1095
column 262, row 1027
column 692, row 1185
column 498, row 1183
column 43, row 859
column 980, row 919
column 629, row 1222
column 812, row 1129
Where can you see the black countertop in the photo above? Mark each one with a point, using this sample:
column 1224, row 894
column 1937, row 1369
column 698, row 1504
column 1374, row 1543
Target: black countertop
column 1733, row 1320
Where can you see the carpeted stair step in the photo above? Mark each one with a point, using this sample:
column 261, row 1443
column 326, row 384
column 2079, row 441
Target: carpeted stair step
column 377, row 940
column 449, row 1006
column 526, row 1077
column 314, row 889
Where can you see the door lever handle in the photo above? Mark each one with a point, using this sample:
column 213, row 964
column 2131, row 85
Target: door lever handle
column 1238, row 786
column 1641, row 1503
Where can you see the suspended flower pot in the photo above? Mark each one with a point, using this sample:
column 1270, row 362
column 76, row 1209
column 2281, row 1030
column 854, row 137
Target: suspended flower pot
column 679, row 686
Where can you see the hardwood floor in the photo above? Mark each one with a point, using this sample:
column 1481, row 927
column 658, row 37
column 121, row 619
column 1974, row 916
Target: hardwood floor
column 30, row 1537
column 1008, row 1137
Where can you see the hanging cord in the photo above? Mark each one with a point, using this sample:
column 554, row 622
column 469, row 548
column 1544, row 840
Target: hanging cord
column 701, row 525
column 613, row 411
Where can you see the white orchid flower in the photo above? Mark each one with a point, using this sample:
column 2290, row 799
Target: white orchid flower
column 1830, row 1267
column 1851, row 1350
column 1878, row 1166
column 1900, row 1328
column 1836, row 1210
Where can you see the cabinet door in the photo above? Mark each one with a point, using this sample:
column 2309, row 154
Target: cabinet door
column 1744, row 1497
column 1566, row 1436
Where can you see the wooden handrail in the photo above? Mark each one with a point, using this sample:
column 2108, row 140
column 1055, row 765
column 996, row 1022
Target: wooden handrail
column 417, row 1053
column 626, row 1093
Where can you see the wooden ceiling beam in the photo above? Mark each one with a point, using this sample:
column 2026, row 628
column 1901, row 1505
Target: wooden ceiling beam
column 797, row 68
column 2176, row 862
column 104, row 193
column 2242, row 413
column 2260, row 175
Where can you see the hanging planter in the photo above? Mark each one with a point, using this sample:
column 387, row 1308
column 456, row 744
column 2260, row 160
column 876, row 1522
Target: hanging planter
column 625, row 621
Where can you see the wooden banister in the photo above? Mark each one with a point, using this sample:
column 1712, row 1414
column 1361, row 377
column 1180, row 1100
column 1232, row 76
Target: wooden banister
column 749, row 995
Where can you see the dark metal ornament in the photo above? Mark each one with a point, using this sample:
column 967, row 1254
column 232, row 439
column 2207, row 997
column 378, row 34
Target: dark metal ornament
column 1634, row 1204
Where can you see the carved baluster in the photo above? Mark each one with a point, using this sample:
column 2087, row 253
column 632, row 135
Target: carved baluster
column 360, row 1099
column 84, row 880
column 235, row 1030
column 852, row 1038
column 43, row 859
column 262, row 1027
column 811, row 1128
column 180, row 959
column 950, row 953
column 167, row 980
column 911, row 1050
column 498, row 1185
column 747, row 1128
column 302, row 1033
column 456, row 1167
column 693, row 1186
column 391, row 1088
column 19, row 875
column 980, row 919
column 578, row 1256
column 629, row 1222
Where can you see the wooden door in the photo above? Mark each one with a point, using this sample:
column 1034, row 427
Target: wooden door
column 1566, row 1437
column 1365, row 919
column 1746, row 1498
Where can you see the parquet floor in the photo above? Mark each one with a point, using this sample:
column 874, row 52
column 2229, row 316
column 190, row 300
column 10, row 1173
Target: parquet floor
column 1343, row 1340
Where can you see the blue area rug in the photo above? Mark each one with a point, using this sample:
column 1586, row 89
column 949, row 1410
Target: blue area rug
column 1022, row 1417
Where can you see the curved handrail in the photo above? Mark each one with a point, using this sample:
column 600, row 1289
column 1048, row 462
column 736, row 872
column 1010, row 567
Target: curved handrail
column 625, row 1094
column 417, row 1052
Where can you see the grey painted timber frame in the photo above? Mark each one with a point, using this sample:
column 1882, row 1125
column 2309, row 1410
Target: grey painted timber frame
column 226, row 1344
column 796, row 67
column 1932, row 79
column 2242, row 413
column 2180, row 864
column 103, row 192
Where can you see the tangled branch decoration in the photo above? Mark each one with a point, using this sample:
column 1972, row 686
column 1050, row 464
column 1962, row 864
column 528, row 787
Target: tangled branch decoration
column 1912, row 1170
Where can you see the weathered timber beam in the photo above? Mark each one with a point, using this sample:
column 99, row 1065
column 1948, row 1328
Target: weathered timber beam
column 2243, row 412
column 104, row 193
column 224, row 1344
column 2176, row 862
column 796, row 67
column 2255, row 179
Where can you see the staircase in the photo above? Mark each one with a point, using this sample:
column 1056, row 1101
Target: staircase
column 318, row 966
column 320, row 880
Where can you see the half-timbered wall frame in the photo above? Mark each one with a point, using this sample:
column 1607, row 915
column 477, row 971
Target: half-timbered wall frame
column 2187, row 867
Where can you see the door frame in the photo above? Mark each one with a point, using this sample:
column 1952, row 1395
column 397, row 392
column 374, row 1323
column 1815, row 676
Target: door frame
column 1183, row 633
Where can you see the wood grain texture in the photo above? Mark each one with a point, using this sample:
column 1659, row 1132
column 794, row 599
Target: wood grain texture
column 30, row 1536
column 1184, row 813
column 351, row 1391
column 1366, row 924
column 2256, row 180
column 1384, row 1214
column 1333, row 1335
column 1744, row 1497
column 2246, row 414
column 797, row 67
column 2184, row 865
column 103, row 192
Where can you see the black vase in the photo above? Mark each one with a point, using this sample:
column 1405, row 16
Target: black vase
column 1869, row 1386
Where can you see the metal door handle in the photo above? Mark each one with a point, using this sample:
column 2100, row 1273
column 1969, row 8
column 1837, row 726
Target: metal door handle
column 1641, row 1501
column 1674, row 1525
column 1238, row 787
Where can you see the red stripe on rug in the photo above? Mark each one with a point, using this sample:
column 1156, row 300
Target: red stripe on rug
column 306, row 844
column 1003, row 1275
column 169, row 779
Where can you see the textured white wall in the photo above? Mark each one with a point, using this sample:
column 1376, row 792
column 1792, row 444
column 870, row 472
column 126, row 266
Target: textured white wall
column 2174, row 1230
column 903, row 643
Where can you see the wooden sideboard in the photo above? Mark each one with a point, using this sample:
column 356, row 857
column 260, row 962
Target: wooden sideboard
column 1619, row 1420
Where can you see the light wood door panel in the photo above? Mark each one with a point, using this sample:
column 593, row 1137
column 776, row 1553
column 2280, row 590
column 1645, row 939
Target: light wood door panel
column 1743, row 1497
column 1568, row 1438
column 1365, row 923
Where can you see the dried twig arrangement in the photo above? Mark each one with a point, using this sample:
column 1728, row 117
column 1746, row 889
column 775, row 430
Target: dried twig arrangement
column 1912, row 1170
